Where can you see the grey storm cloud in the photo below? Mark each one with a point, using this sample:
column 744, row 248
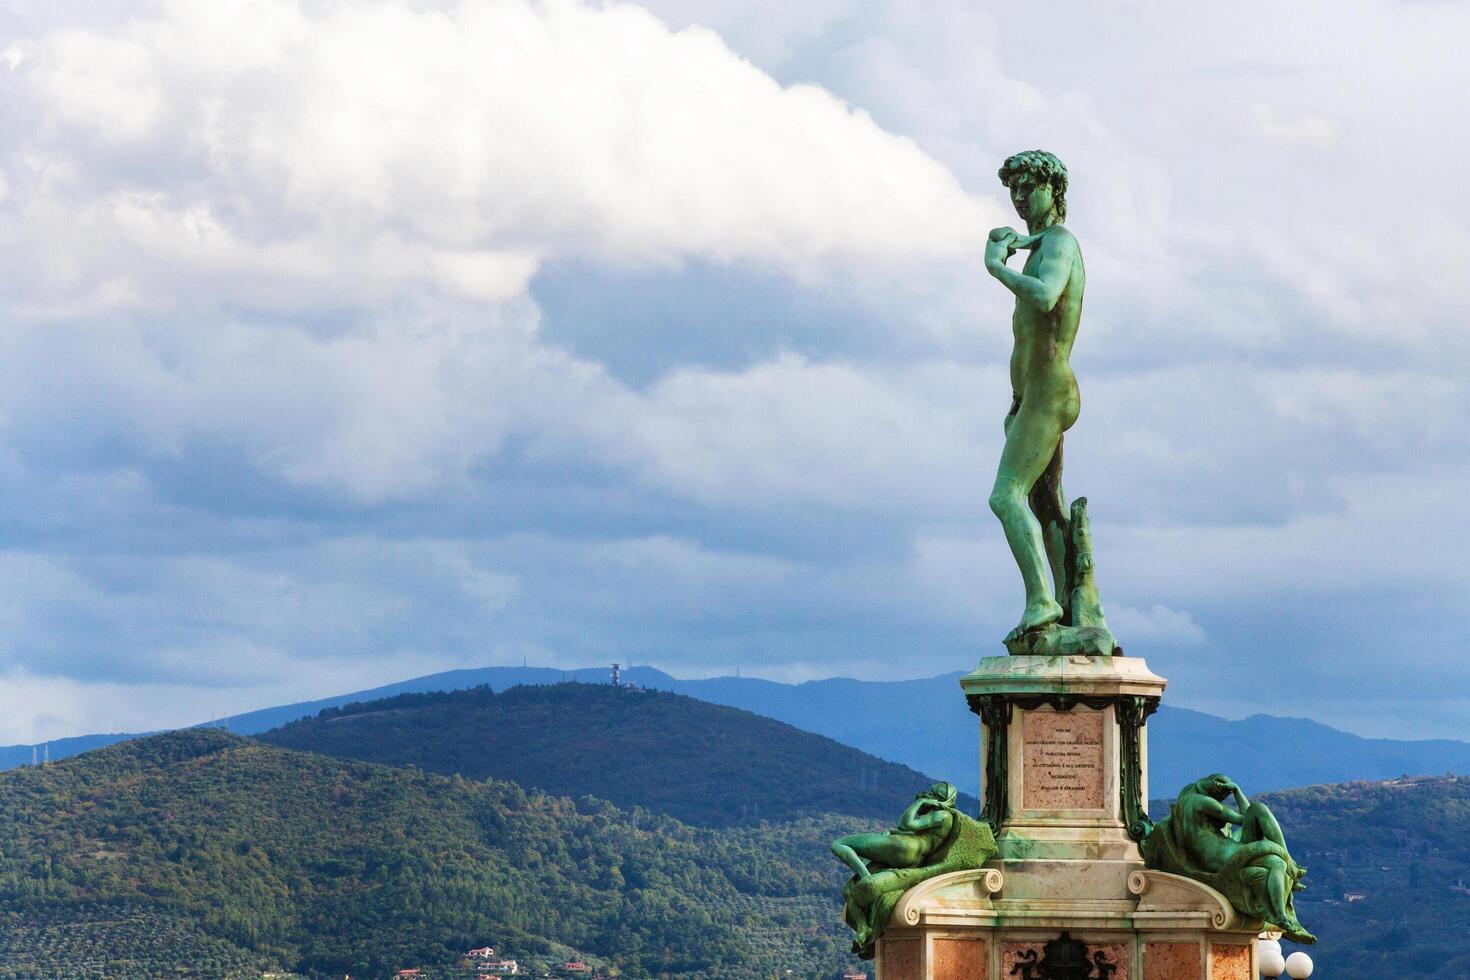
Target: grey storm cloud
column 342, row 343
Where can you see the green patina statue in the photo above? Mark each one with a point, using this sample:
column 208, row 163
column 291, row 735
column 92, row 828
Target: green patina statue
column 932, row 838
column 1238, row 852
column 1027, row 496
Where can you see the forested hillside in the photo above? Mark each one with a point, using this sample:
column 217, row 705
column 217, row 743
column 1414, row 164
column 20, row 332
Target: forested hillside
column 205, row 854
column 198, row 853
column 1389, row 874
column 703, row 763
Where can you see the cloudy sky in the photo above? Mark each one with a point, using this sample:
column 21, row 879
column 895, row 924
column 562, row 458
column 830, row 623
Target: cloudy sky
column 342, row 342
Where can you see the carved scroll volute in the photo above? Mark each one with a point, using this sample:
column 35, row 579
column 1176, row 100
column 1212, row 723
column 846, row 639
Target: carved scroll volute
column 1133, row 714
column 972, row 888
column 995, row 712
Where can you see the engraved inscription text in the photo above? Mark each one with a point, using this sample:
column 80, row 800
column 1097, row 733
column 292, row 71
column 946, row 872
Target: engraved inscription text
column 1063, row 761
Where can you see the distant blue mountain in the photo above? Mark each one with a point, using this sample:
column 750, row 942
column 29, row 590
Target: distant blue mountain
column 925, row 724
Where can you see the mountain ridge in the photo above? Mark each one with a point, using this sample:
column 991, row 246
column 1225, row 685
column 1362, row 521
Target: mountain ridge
column 704, row 764
column 924, row 723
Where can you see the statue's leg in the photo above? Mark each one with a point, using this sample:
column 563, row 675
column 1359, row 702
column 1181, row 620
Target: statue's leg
column 888, row 850
column 846, row 850
column 1031, row 441
column 1279, row 882
column 1050, row 507
column 1276, row 887
column 1260, row 824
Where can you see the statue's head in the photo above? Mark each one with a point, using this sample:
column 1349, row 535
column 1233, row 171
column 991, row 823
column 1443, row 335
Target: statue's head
column 1037, row 181
column 943, row 793
column 1217, row 785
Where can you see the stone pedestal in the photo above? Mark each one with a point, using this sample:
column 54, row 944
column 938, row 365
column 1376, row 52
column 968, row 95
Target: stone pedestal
column 1064, row 757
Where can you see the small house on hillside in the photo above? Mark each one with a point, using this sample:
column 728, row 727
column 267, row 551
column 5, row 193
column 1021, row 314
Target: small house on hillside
column 575, row 966
column 483, row 953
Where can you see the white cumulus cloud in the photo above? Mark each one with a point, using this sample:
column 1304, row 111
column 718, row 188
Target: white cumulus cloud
column 300, row 155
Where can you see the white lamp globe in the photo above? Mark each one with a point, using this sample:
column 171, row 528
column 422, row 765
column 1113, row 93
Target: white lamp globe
column 1298, row 966
column 1272, row 965
column 1268, row 944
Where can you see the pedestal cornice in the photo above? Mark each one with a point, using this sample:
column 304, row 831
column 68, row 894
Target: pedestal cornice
column 1064, row 678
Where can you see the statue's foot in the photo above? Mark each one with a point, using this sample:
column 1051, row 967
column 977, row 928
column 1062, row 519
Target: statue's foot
column 1298, row 935
column 1041, row 613
column 1292, row 929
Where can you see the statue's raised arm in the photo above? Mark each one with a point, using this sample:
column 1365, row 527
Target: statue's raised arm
column 1056, row 252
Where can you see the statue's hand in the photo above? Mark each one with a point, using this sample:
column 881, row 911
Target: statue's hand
column 997, row 250
column 1001, row 234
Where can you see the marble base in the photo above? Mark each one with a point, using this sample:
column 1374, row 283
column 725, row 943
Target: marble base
column 1063, row 771
column 979, row 925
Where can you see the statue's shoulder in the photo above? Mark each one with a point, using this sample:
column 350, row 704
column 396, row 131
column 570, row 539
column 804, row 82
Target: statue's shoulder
column 1192, row 807
column 1058, row 238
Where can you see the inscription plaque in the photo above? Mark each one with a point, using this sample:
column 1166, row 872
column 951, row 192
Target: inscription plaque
column 1063, row 760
